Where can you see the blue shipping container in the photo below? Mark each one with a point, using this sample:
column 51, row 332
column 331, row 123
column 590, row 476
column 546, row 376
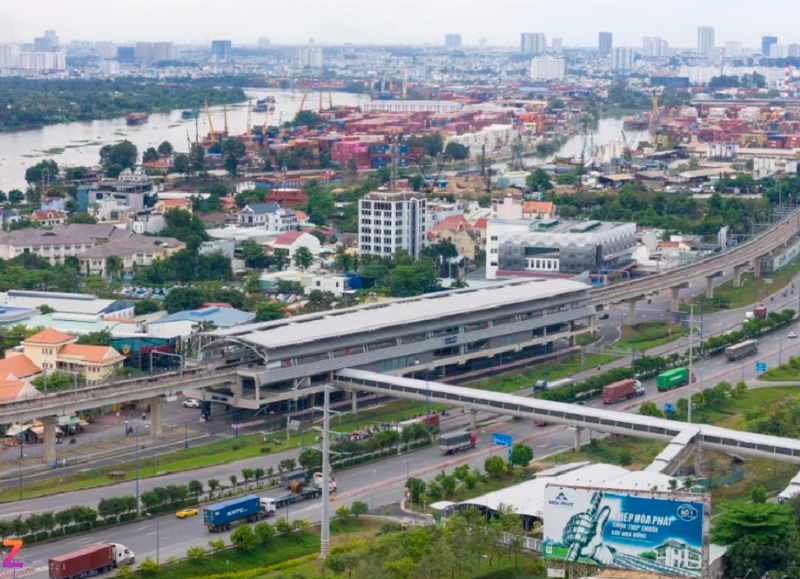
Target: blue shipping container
column 233, row 510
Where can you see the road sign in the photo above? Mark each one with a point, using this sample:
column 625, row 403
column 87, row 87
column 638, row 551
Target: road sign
column 294, row 424
column 761, row 366
column 669, row 407
column 767, row 281
column 502, row 439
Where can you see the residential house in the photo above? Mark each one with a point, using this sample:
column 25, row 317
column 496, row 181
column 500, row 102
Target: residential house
column 57, row 351
column 228, row 204
column 256, row 214
column 138, row 250
column 539, row 210
column 151, row 223
column 133, row 189
column 302, row 219
column 53, row 204
column 291, row 241
column 163, row 205
column 336, row 284
column 189, row 322
column 11, row 390
column 18, row 368
column 60, row 242
column 48, row 217
column 479, row 228
column 216, row 219
column 8, row 216
column 457, row 230
column 281, row 221
column 508, row 206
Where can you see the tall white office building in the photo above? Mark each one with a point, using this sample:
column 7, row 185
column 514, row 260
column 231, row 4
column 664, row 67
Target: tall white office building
column 9, row 56
column 547, row 68
column 705, row 39
column 42, row 61
column 557, row 45
column 621, row 59
column 779, row 51
column 655, row 46
column 733, row 49
column 533, row 43
column 452, row 41
column 389, row 222
column 310, row 56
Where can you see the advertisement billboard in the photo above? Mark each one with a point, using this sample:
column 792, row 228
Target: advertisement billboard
column 657, row 532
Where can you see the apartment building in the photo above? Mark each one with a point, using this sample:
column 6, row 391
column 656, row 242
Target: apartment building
column 391, row 221
column 548, row 68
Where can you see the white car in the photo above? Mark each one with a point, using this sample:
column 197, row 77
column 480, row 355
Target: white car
column 792, row 335
column 191, row 403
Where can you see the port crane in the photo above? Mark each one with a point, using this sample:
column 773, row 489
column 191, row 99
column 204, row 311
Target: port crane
column 211, row 136
column 225, row 108
column 250, row 117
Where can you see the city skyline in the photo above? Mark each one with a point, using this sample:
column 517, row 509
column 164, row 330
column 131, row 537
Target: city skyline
column 394, row 22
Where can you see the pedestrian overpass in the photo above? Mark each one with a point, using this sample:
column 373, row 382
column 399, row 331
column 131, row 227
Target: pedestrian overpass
column 679, row 434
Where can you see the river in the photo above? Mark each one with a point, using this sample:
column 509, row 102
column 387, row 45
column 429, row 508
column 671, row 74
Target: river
column 82, row 141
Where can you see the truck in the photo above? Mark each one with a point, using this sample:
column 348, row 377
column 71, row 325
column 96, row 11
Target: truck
column 622, row 390
column 758, row 313
column 741, row 350
column 318, row 481
column 433, row 420
column 544, row 385
column 221, row 516
column 89, row 561
column 289, row 478
column 457, row 441
column 674, row 378
column 298, row 493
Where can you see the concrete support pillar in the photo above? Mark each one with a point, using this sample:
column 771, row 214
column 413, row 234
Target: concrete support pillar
column 354, row 403
column 49, row 423
column 737, row 274
column 473, row 420
column 675, row 300
column 156, row 416
column 578, row 435
column 593, row 325
column 710, row 287
column 632, row 312
column 757, row 267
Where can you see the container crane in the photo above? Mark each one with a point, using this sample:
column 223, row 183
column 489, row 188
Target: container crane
column 264, row 126
column 405, row 86
column 303, row 102
column 249, row 117
column 330, row 98
column 225, row 108
column 211, row 136
column 320, row 100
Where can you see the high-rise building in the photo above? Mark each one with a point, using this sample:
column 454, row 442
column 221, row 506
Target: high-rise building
column 526, row 43
column 531, row 43
column 263, row 42
column 42, row 61
column 221, row 50
column 733, row 49
column 9, row 56
column 126, row 54
column 556, row 44
column 452, row 41
column 144, row 52
column 766, row 43
column 310, row 56
column 547, row 68
column 163, row 51
column 389, row 222
column 705, row 39
column 605, row 43
column 779, row 51
column 621, row 59
column 648, row 45
column 109, row 67
column 45, row 43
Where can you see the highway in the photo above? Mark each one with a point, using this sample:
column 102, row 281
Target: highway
column 377, row 484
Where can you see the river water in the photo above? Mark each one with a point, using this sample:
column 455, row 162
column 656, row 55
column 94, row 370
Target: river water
column 82, row 140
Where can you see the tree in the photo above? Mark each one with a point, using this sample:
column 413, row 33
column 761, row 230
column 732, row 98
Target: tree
column 16, row 196
column 258, row 474
column 149, row 566
column 416, row 487
column 456, row 151
column 758, row 495
column 287, row 464
column 195, row 553
column 195, row 487
column 271, row 311
column 150, row 155
column 82, row 217
column 359, row 508
column 247, row 474
column 181, row 163
column 303, row 258
column 343, row 513
column 625, row 458
column 243, row 538
column 494, row 466
column 539, row 180
column 282, row 526
column 165, row 148
column 46, row 170
column 212, row 486
column 118, row 157
column 98, row 338
column 197, row 159
column 649, row 408
column 264, row 531
column 181, row 299
column 336, row 564
column 521, row 455
column 739, row 519
column 146, row 306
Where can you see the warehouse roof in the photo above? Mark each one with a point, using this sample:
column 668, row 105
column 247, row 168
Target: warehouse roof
column 371, row 317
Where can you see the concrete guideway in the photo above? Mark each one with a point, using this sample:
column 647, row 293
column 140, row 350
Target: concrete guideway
column 578, row 417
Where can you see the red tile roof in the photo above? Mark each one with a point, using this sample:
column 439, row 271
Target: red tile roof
column 96, row 354
column 289, row 237
column 18, row 367
column 47, row 214
column 452, row 222
column 480, row 224
column 49, row 336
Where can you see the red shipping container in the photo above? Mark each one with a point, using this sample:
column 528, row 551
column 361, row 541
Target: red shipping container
column 81, row 561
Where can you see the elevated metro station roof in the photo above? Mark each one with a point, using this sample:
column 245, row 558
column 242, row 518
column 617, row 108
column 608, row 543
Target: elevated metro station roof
column 371, row 317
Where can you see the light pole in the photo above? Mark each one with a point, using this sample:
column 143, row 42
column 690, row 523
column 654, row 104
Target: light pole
column 691, row 359
column 185, row 432
column 158, row 538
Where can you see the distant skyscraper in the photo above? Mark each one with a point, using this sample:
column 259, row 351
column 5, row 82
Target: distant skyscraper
column 648, row 45
column 533, row 43
column 655, row 47
column 778, row 51
column 621, row 59
column 766, row 43
column 310, row 56
column 452, row 41
column 705, row 39
column 556, row 44
column 144, row 52
column 9, row 56
column 482, row 42
column 46, row 43
column 221, row 50
column 605, row 43
column 263, row 42
column 163, row 51
column 126, row 54
column 733, row 49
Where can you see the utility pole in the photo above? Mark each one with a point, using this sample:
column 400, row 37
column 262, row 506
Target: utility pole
column 325, row 539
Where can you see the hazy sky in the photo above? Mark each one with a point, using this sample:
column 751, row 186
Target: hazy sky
column 399, row 21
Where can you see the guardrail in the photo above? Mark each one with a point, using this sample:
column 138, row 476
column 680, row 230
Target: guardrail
column 750, row 250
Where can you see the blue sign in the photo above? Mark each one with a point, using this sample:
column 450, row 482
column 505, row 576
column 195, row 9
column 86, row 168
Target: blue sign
column 669, row 407
column 509, row 455
column 502, row 439
column 761, row 366
column 451, row 340
column 624, row 530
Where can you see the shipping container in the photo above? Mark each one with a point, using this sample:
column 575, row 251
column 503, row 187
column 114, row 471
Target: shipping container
column 90, row 561
column 741, row 350
column 674, row 378
column 622, row 390
column 221, row 516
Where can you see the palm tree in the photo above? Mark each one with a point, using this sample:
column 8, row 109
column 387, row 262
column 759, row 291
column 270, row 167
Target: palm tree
column 203, row 326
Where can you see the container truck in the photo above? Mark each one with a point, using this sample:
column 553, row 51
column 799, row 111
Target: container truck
column 90, row 561
column 457, row 441
column 741, row 350
column 544, row 385
column 219, row 517
column 674, row 378
column 622, row 390
column 292, row 477
column 424, row 420
column 271, row 505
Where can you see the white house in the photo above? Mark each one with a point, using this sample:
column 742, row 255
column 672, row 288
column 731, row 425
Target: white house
column 256, row 214
column 281, row 220
column 291, row 241
column 335, row 284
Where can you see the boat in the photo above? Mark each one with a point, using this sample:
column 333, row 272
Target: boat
column 190, row 114
column 136, row 118
column 265, row 104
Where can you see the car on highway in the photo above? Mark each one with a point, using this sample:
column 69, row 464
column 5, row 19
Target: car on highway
column 191, row 403
column 792, row 335
column 604, row 316
column 186, row 513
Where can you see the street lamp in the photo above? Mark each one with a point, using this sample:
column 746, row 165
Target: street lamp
column 158, row 537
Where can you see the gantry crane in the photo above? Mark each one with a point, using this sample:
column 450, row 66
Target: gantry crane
column 250, row 117
column 303, row 102
column 264, row 126
column 225, row 108
column 211, row 136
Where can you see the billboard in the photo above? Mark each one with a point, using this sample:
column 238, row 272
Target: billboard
column 657, row 532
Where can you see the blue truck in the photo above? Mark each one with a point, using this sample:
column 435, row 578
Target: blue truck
column 220, row 516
